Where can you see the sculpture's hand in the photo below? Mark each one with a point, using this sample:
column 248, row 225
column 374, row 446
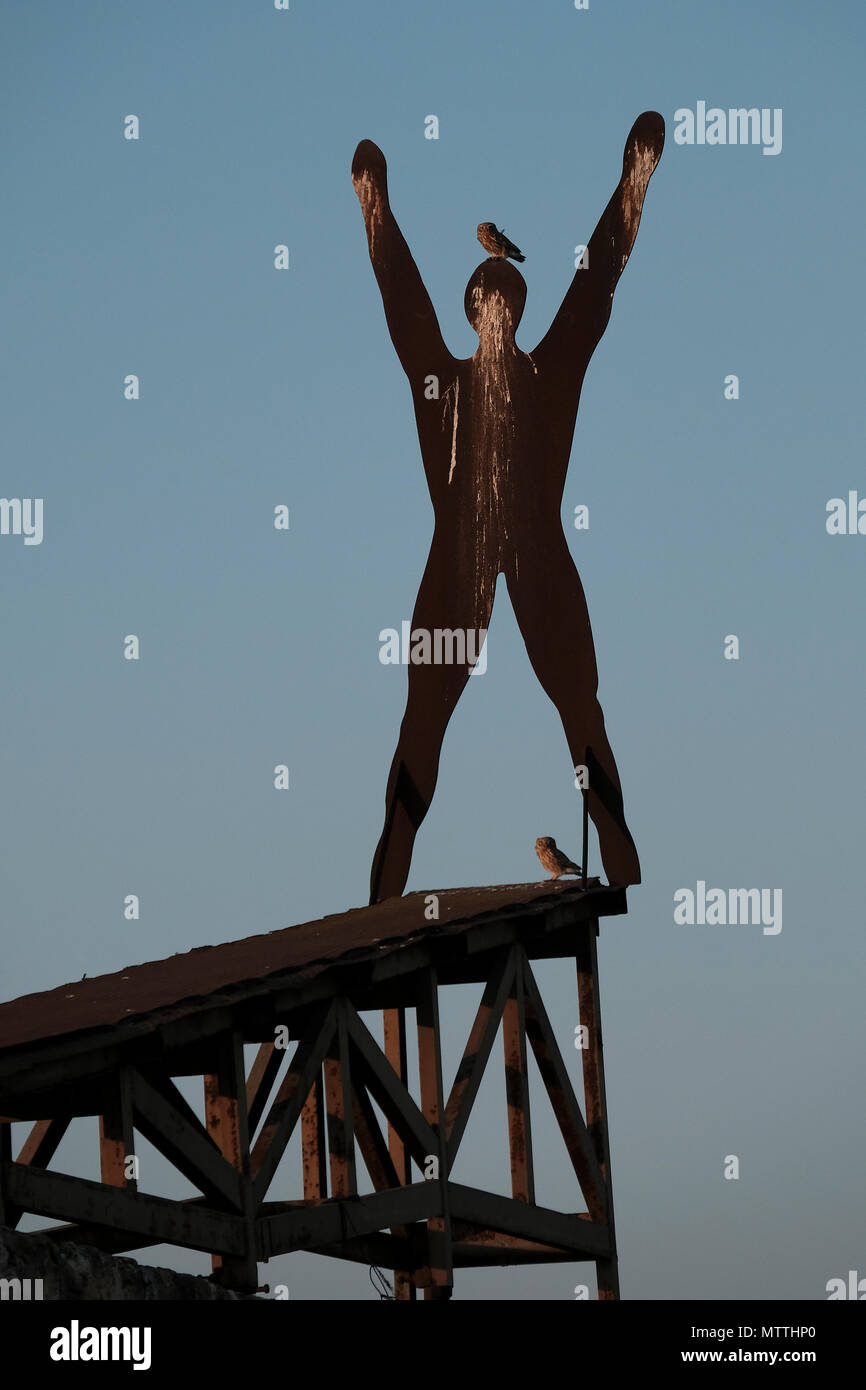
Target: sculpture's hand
column 369, row 171
column 409, row 313
column 571, row 339
column 643, row 148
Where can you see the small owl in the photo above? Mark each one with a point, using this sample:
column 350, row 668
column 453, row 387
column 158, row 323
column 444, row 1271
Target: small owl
column 496, row 243
column 553, row 859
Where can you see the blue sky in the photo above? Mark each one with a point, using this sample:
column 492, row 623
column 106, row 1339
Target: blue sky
column 259, row 387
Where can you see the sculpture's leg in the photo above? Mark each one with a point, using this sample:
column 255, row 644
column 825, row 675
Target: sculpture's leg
column 445, row 603
column 551, row 612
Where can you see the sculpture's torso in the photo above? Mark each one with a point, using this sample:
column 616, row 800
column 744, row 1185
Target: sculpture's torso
column 495, row 448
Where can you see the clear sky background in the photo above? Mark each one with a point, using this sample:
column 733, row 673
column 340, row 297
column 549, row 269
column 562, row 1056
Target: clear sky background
column 258, row 647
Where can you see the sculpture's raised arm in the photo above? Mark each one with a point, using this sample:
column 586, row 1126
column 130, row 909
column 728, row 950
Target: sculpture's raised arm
column 410, row 315
column 583, row 315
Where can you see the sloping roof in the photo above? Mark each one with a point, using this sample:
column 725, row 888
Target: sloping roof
column 359, row 933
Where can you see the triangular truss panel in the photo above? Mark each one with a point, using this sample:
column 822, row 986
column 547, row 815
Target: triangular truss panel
column 375, row 1182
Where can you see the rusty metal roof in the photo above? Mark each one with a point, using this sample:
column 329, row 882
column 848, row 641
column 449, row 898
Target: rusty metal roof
column 190, row 978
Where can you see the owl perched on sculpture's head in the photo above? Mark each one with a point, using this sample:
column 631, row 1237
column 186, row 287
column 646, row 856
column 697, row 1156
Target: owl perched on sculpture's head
column 496, row 243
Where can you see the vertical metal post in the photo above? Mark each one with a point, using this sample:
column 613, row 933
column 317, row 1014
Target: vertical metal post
column 440, row 1271
column 607, row 1270
column 517, row 1087
column 395, row 1051
column 227, row 1123
column 313, row 1145
column 338, row 1098
column 116, row 1136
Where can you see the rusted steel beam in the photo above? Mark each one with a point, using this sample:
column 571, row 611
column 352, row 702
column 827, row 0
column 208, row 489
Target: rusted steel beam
column 467, row 1234
column 388, row 1092
column 38, row 1148
column 565, row 1107
column 593, row 1073
column 440, row 1266
column 394, row 1026
column 371, row 1141
column 103, row 1238
column 595, row 1098
column 164, row 1118
column 394, row 1021
column 43, row 1141
column 289, row 1102
column 263, row 1074
column 116, row 1137
column 586, row 1239
column 309, row 1227
column 313, row 1143
column 225, row 1103
column 477, row 1051
column 160, row 1081
column 338, row 1102
column 227, row 1123
column 65, row 1198
column 517, row 1087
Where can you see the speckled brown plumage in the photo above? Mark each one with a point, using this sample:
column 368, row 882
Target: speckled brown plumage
column 496, row 243
column 552, row 859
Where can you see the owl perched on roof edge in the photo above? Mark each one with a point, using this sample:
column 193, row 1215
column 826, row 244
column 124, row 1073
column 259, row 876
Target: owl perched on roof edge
column 496, row 243
column 553, row 859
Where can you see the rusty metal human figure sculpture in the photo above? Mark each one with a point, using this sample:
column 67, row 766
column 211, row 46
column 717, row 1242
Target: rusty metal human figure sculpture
column 495, row 432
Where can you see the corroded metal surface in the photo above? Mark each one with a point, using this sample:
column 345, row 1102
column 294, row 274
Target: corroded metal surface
column 495, row 432
column 188, row 980
column 341, row 1089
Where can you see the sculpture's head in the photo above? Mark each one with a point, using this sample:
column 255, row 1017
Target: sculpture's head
column 494, row 299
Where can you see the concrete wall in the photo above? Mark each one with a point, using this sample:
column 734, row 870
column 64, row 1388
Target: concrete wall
column 72, row 1271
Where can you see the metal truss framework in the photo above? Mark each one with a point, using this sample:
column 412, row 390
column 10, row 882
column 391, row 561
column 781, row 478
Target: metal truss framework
column 422, row 1228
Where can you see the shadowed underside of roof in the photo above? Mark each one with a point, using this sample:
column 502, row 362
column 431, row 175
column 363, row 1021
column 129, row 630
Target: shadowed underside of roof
column 190, row 978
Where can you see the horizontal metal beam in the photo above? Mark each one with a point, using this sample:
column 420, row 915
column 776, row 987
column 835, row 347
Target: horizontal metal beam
column 321, row 1228
column 390, row 1252
column 586, row 1239
column 332, row 1222
column 103, row 1237
column 92, row 1203
column 468, row 1234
